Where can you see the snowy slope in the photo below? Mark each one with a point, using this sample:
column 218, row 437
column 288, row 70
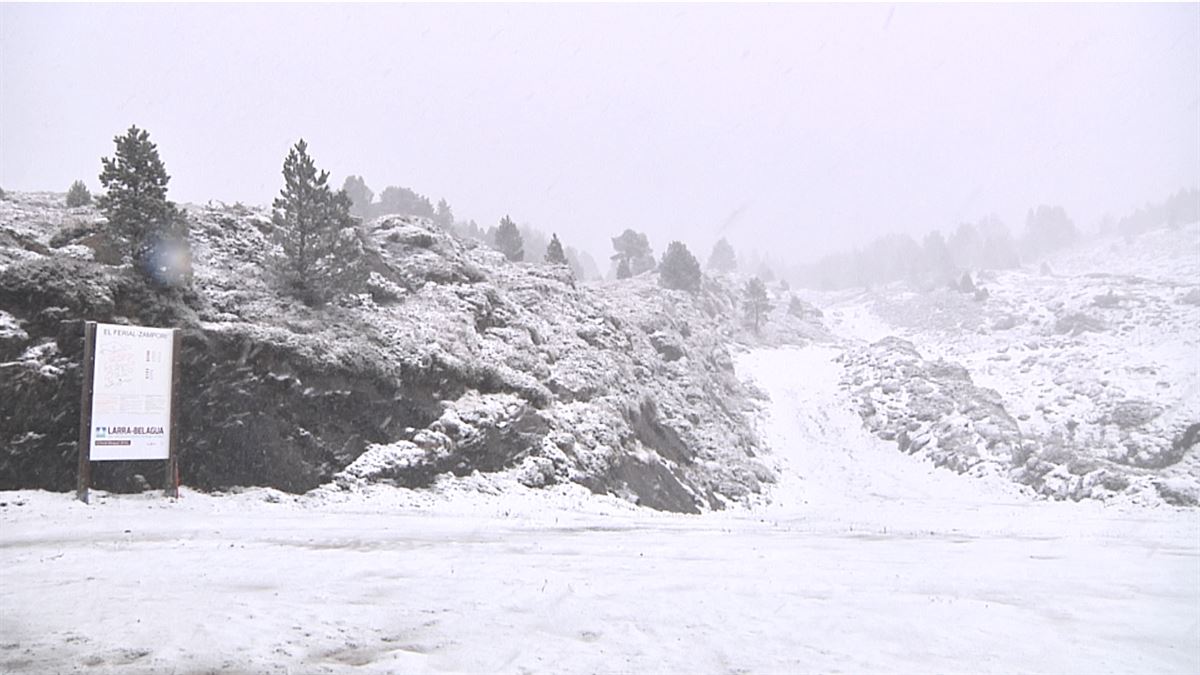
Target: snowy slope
column 858, row 558
column 820, row 440
column 1096, row 356
column 452, row 360
column 865, row 560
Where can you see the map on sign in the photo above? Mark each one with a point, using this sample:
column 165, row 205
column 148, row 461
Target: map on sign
column 131, row 393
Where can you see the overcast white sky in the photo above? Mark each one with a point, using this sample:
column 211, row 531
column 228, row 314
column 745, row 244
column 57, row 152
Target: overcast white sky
column 801, row 128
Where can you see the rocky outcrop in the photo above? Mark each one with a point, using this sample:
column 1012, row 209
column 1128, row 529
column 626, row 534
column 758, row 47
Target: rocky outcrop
column 1077, row 323
column 451, row 360
column 934, row 410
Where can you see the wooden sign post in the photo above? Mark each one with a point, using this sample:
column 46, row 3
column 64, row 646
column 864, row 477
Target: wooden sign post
column 129, row 408
column 84, row 479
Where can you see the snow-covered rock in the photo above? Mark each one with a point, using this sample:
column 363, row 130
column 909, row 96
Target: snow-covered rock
column 452, row 360
column 932, row 408
column 1094, row 360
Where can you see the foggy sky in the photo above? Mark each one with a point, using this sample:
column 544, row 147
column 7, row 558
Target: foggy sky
column 798, row 128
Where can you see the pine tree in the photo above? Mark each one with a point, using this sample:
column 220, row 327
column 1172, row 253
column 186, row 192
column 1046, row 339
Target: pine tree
column 322, row 253
column 722, row 258
column 1048, row 229
column 936, row 259
column 135, row 201
column 360, row 195
column 554, row 252
column 470, row 230
column 965, row 284
column 757, row 302
column 632, row 249
column 679, row 269
column 582, row 264
column 623, row 271
column 152, row 229
column 443, row 215
column 508, row 240
column 402, row 201
column 78, row 195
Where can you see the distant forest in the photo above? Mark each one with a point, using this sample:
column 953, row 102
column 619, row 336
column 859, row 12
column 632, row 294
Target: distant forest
column 985, row 245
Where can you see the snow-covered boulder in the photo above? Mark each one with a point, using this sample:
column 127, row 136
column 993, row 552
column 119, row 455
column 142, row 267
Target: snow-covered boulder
column 931, row 408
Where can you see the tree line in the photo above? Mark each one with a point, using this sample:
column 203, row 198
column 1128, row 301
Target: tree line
column 938, row 259
column 984, row 245
column 318, row 230
column 317, row 227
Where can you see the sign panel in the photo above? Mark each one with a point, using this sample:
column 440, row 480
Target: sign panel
column 131, row 400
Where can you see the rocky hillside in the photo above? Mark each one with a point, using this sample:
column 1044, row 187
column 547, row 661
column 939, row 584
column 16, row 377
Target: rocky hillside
column 1078, row 375
column 455, row 360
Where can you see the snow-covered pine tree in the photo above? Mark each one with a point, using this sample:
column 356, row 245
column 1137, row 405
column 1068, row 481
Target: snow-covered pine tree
column 508, row 240
column 1048, row 229
column 152, row 229
column 402, row 201
column 554, row 251
column 679, row 269
column 722, row 258
column 360, row 195
column 633, row 249
column 322, row 252
column 443, row 215
column 757, row 302
column 78, row 195
column 623, row 271
column 135, row 182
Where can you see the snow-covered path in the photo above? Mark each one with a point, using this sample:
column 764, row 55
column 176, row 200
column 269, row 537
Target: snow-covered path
column 831, row 461
column 866, row 561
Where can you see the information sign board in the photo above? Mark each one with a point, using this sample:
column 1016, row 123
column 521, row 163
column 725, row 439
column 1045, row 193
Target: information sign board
column 131, row 393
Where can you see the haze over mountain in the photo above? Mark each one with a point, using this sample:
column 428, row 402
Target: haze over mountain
column 800, row 129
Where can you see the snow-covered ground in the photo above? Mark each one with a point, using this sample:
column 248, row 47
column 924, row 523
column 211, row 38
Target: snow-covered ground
column 1094, row 352
column 863, row 560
